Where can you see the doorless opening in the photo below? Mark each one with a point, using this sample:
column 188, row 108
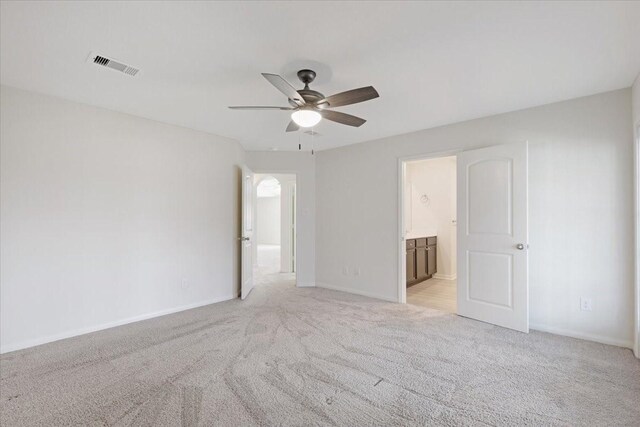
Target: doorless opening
column 274, row 225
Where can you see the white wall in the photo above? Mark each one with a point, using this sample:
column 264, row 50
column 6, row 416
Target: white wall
column 108, row 218
column 302, row 164
column 435, row 178
column 268, row 218
column 581, row 210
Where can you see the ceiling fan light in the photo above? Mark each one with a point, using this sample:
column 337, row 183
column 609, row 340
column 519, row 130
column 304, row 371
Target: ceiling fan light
column 306, row 118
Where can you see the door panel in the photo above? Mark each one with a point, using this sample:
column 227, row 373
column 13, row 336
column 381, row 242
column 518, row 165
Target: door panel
column 482, row 286
column 492, row 223
column 421, row 263
column 432, row 260
column 411, row 265
column 489, row 201
column 246, row 240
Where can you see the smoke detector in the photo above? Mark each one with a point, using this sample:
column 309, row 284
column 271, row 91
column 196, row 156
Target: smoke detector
column 107, row 62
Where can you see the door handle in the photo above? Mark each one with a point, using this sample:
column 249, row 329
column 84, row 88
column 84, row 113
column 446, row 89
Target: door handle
column 243, row 239
column 521, row 246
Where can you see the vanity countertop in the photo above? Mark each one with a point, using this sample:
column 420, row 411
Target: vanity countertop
column 420, row 233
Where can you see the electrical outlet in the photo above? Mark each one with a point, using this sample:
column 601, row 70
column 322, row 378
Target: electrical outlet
column 184, row 284
column 585, row 304
column 356, row 271
column 345, row 271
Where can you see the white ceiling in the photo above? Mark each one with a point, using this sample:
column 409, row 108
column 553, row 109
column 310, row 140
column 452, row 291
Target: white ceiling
column 432, row 63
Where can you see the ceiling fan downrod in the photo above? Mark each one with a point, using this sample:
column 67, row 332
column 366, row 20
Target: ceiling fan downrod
column 306, row 77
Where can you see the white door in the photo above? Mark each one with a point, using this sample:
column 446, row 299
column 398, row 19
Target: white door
column 246, row 240
column 492, row 236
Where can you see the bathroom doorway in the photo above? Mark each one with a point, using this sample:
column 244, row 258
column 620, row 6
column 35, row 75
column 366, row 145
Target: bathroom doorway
column 479, row 245
column 430, row 209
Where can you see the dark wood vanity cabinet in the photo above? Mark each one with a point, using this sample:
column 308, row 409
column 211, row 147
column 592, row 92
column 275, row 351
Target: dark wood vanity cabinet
column 411, row 260
column 421, row 259
column 411, row 265
column 431, row 260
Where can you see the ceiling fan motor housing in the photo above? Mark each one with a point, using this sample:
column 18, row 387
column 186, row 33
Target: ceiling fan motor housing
column 312, row 97
column 306, row 76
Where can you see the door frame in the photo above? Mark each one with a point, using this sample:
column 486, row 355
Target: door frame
column 247, row 233
column 636, row 222
column 402, row 249
column 294, row 214
column 402, row 175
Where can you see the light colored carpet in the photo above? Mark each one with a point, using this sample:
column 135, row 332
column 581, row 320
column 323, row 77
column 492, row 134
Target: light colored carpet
column 291, row 356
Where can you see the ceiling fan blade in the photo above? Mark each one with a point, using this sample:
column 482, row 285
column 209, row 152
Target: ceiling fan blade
column 342, row 118
column 292, row 126
column 283, row 86
column 352, row 96
column 257, row 107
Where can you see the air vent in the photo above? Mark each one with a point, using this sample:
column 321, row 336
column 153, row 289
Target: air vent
column 113, row 64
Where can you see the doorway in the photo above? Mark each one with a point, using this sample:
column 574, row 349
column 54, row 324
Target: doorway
column 489, row 253
column 275, row 227
column 430, row 233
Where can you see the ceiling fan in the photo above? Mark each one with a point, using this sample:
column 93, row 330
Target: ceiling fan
column 309, row 106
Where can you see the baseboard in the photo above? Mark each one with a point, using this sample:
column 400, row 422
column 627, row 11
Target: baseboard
column 306, row 285
column 354, row 291
column 583, row 336
column 108, row 325
column 445, row 276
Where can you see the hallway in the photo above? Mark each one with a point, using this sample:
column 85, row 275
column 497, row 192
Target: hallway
column 267, row 272
column 268, row 259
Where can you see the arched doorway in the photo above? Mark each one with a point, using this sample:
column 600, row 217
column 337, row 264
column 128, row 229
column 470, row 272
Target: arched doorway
column 275, row 224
